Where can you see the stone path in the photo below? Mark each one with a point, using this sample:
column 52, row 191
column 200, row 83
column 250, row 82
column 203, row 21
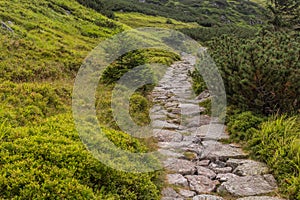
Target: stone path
column 199, row 167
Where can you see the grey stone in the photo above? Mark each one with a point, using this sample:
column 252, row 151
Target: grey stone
column 177, row 179
column 217, row 151
column 206, row 172
column 169, row 192
column 247, row 167
column 204, row 95
column 186, row 193
column 225, row 177
column 207, row 197
column 180, row 166
column 260, row 198
column 212, row 132
column 168, row 153
column 246, row 186
column 174, row 145
column 190, row 109
column 201, row 184
column 167, row 135
column 222, row 170
column 163, row 124
column 203, row 162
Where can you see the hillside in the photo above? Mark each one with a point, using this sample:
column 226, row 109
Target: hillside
column 43, row 44
column 205, row 13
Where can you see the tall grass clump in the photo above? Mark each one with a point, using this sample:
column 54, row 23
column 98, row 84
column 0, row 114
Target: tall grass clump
column 277, row 143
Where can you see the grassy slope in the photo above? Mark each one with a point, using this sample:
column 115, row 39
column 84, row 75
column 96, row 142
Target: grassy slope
column 207, row 13
column 38, row 64
column 136, row 20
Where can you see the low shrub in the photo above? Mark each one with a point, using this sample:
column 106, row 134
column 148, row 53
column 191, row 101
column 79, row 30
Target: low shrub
column 277, row 143
column 49, row 161
column 240, row 125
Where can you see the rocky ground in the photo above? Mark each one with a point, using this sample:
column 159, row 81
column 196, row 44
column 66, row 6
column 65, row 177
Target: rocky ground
column 198, row 165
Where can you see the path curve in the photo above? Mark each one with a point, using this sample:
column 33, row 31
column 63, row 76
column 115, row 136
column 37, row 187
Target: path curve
column 199, row 167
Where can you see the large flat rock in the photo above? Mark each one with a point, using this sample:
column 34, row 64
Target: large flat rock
column 207, row 197
column 217, row 151
column 212, row 131
column 247, row 186
column 167, row 135
column 260, row 198
column 163, row 125
column 247, row 167
column 201, row 184
column 206, row 172
column 180, row 166
column 177, row 179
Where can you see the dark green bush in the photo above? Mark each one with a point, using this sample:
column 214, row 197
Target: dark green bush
column 261, row 74
column 240, row 125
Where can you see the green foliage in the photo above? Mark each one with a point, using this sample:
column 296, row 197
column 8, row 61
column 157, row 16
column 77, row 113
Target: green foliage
column 261, row 74
column 203, row 34
column 49, row 161
column 27, row 103
column 198, row 82
column 277, row 142
column 50, row 39
column 284, row 13
column 137, row 20
column 134, row 59
column 240, row 125
column 207, row 105
column 139, row 109
column 205, row 13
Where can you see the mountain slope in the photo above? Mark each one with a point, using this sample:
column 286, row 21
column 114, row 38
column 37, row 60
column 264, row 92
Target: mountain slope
column 50, row 37
column 206, row 13
column 42, row 45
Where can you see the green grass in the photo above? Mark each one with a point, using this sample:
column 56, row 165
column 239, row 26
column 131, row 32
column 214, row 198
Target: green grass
column 42, row 155
column 50, row 38
column 136, row 20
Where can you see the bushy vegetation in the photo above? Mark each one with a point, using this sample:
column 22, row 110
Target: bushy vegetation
column 49, row 161
column 50, row 38
column 275, row 142
column 260, row 74
column 42, row 156
column 205, row 13
column 204, row 34
column 136, row 20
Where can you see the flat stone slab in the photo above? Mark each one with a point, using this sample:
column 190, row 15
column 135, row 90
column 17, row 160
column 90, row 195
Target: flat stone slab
column 260, row 198
column 214, row 150
column 247, row 186
column 170, row 194
column 206, row 172
column 225, row 177
column 203, row 163
column 167, row 135
column 174, row 145
column 207, row 197
column 187, row 193
column 222, row 170
column 212, row 132
column 177, row 179
column 247, row 167
column 163, row 125
column 201, row 184
column 190, row 109
column 180, row 166
column 168, row 153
